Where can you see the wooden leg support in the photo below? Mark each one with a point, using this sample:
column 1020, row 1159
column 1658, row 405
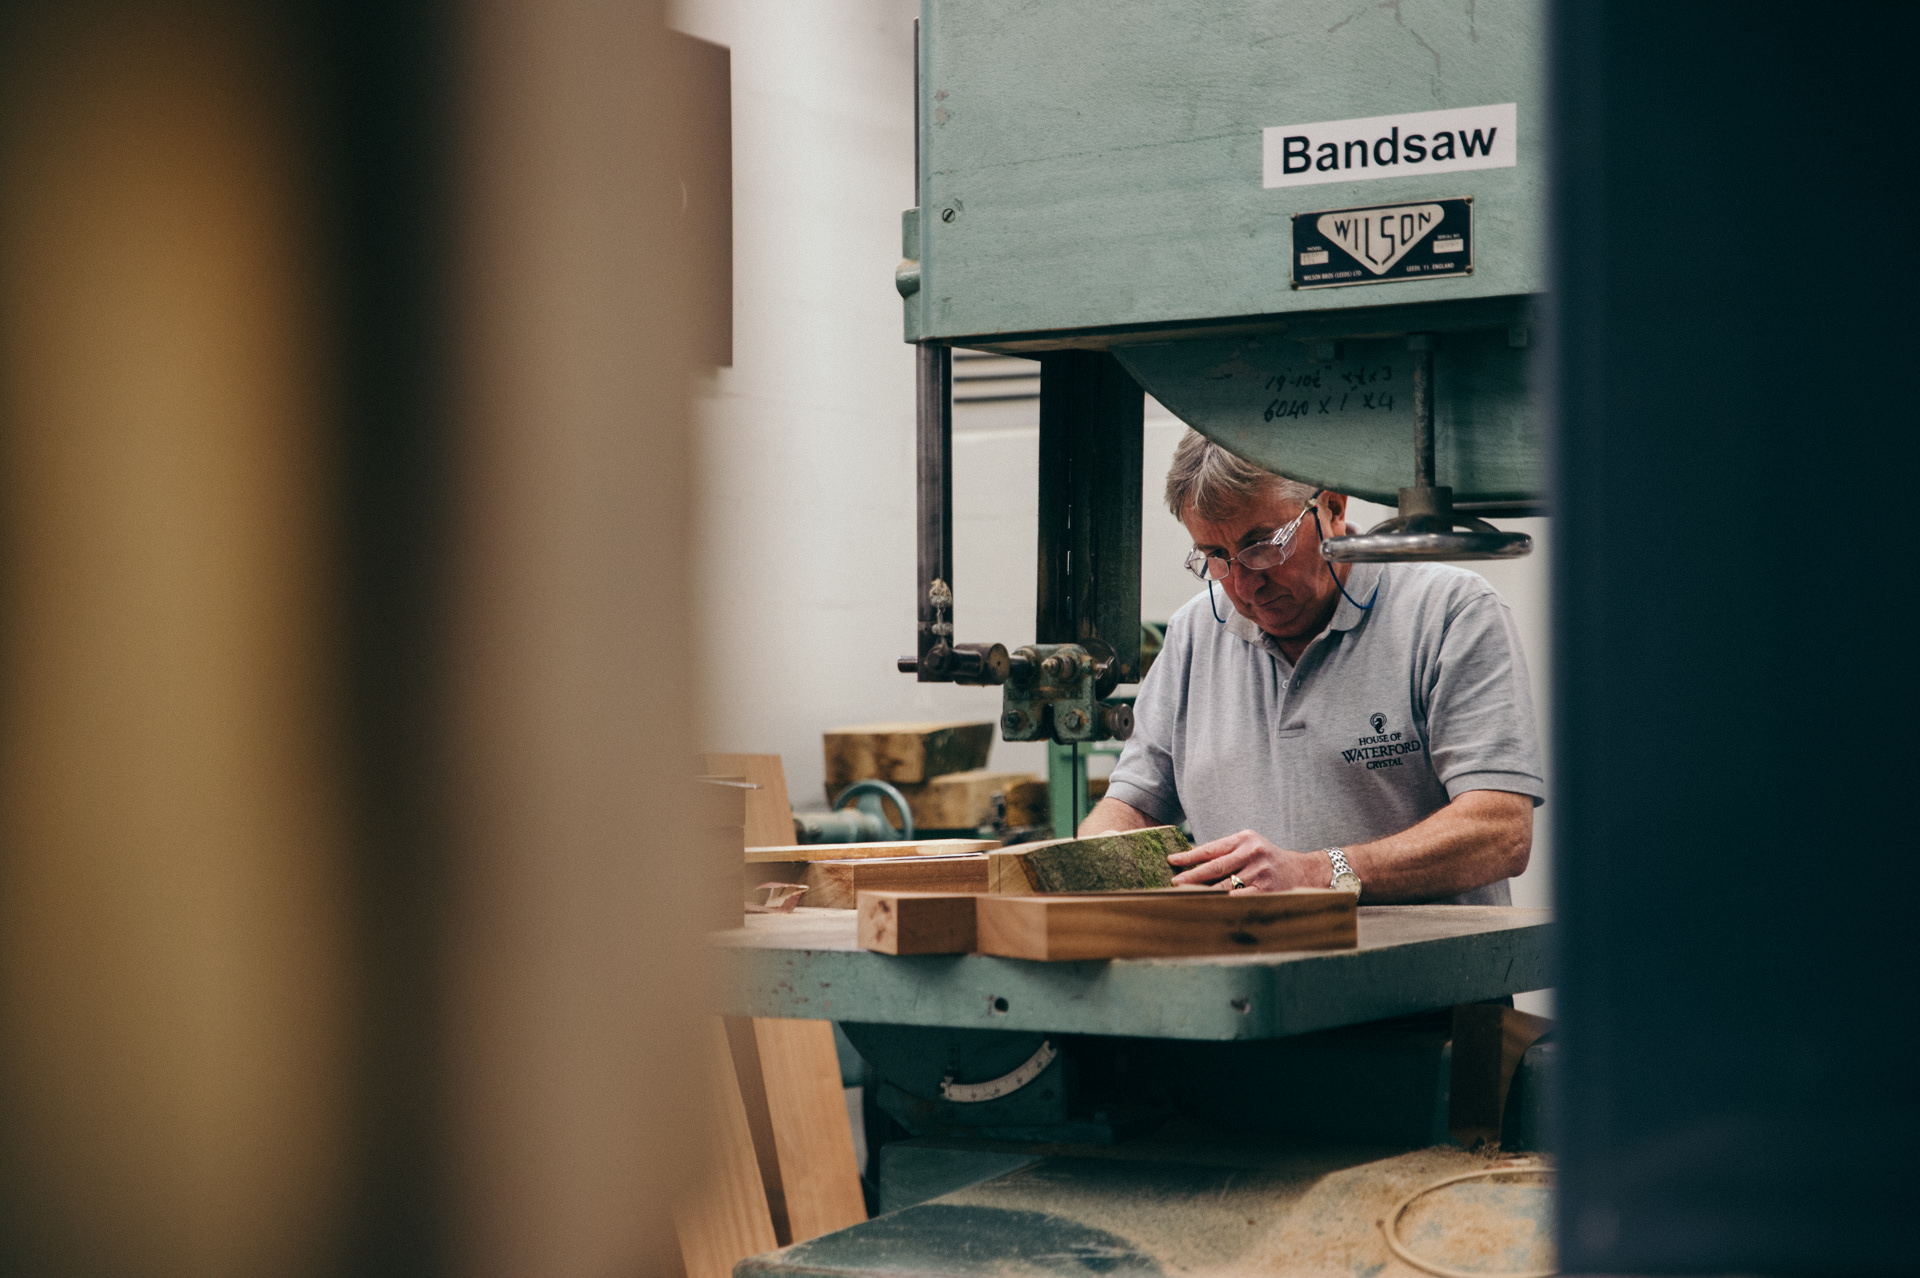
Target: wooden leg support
column 726, row 1219
column 1488, row 1042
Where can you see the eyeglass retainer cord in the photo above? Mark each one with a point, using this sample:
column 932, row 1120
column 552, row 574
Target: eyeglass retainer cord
column 1363, row 607
column 1321, row 532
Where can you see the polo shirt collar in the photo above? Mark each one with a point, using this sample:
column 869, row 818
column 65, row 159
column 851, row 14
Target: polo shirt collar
column 1362, row 580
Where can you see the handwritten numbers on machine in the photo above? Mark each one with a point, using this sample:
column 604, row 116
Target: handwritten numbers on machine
column 1383, row 242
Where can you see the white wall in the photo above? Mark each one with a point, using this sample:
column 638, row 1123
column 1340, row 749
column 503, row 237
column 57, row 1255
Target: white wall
column 809, row 436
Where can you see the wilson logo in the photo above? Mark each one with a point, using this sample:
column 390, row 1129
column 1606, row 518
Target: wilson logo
column 1377, row 238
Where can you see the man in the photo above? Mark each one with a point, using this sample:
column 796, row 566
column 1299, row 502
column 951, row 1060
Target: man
column 1372, row 718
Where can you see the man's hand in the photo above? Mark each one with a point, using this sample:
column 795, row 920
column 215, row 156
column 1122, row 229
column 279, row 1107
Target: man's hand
column 1481, row 836
column 1261, row 866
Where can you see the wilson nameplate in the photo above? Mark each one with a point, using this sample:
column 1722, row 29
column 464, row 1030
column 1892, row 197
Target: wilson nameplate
column 1383, row 242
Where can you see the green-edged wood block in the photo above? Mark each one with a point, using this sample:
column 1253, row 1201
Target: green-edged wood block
column 1104, row 862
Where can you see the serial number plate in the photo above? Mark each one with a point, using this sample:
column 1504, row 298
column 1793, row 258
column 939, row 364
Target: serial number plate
column 1382, row 243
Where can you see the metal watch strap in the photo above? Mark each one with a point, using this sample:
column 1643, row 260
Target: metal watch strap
column 1339, row 858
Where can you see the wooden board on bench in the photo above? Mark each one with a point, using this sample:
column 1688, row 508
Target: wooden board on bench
column 1166, row 924
column 856, row 851
column 835, row 885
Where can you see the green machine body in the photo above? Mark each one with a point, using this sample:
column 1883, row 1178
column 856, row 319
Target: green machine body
column 1312, row 230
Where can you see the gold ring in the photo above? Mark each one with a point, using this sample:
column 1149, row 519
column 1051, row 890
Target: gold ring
column 1235, row 880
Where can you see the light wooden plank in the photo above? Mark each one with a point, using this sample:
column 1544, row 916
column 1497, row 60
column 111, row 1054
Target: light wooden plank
column 916, row 922
column 836, row 885
column 811, row 1132
column 854, row 851
column 769, row 813
column 904, row 751
column 1166, row 924
column 724, row 1219
column 962, row 800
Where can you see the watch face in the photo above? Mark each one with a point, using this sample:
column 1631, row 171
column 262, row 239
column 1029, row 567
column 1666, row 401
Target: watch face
column 1348, row 882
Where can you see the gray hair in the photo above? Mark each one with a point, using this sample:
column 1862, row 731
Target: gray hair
column 1216, row 483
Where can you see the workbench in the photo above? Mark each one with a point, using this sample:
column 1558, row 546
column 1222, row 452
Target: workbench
column 1411, row 958
column 1251, row 1187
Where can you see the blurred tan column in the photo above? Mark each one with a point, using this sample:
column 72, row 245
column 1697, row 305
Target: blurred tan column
column 174, row 973
column 578, row 895
column 181, row 1010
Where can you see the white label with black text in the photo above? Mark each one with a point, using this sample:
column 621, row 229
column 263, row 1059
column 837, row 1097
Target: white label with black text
column 1383, row 146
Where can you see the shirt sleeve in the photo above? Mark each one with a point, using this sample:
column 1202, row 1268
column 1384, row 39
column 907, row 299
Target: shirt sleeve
column 1144, row 776
column 1481, row 731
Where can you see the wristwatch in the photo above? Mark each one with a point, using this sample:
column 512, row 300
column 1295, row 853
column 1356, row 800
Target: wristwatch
column 1343, row 876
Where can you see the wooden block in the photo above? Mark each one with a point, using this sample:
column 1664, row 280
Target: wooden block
column 1488, row 1042
column 854, row 851
column 962, row 800
column 769, row 814
column 1104, row 862
column 725, row 1218
column 904, row 751
column 916, row 922
column 813, row 1140
column 836, row 885
column 1166, row 924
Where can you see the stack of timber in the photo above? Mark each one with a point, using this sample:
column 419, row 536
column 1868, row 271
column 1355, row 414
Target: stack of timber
column 1102, row 863
column 904, row 753
column 1164, row 923
column 835, row 873
column 965, row 800
column 769, row 817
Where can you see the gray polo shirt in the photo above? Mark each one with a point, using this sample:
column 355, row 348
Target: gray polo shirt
column 1390, row 713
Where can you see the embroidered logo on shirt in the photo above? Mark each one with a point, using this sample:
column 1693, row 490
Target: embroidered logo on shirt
column 1383, row 749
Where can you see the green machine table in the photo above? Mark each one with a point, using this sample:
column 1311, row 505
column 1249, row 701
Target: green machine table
column 1411, row 958
column 1158, row 1115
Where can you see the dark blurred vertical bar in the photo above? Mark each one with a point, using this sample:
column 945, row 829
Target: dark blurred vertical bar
column 702, row 118
column 1732, row 416
column 934, row 417
column 1092, row 436
column 385, row 85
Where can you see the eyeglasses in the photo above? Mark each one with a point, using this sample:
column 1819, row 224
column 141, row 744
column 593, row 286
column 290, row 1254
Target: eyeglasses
column 1262, row 555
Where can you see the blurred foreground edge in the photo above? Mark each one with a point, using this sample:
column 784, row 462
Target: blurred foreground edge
column 346, row 692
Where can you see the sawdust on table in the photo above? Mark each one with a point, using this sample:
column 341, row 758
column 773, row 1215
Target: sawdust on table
column 1305, row 1215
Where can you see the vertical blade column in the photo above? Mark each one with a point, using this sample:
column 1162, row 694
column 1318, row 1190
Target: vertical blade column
column 1091, row 413
column 934, row 412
